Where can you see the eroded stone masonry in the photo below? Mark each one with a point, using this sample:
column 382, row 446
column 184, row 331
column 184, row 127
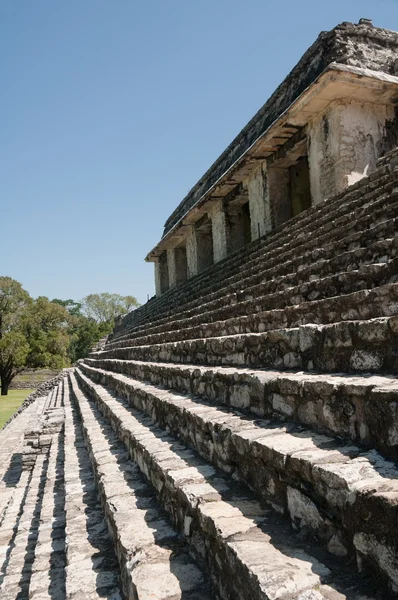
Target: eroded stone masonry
column 236, row 438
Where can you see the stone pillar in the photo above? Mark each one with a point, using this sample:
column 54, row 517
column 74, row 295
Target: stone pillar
column 157, row 278
column 172, row 267
column 192, row 256
column 260, row 217
column 219, row 231
column 177, row 263
column 344, row 145
column 161, row 274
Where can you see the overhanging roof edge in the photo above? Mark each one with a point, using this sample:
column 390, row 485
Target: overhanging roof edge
column 334, row 66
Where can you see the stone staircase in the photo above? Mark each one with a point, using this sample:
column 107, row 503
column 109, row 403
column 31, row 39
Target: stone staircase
column 235, row 439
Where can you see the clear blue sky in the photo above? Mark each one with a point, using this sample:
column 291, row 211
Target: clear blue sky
column 111, row 110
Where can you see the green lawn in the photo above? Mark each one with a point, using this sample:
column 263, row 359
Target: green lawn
column 10, row 403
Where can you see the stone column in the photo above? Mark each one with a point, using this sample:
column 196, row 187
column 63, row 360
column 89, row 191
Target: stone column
column 192, row 256
column 157, row 278
column 161, row 274
column 260, row 217
column 172, row 267
column 344, row 145
column 219, row 231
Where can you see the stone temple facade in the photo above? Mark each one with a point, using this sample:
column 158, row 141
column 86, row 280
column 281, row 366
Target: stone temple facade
column 236, row 438
column 321, row 131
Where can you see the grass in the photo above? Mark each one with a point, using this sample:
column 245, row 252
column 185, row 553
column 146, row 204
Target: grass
column 35, row 377
column 10, row 403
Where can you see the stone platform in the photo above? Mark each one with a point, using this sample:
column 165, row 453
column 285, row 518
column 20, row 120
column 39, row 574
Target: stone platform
column 235, row 439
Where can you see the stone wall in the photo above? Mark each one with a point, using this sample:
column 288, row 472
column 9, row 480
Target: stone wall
column 344, row 145
column 32, row 379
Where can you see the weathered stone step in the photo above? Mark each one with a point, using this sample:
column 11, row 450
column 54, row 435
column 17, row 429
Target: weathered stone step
column 252, row 553
column 315, row 267
column 155, row 563
column 327, row 488
column 347, row 346
column 15, row 532
column 34, row 535
column 47, row 546
column 362, row 194
column 92, row 570
column 11, row 451
column 175, row 297
column 353, row 250
column 330, row 287
column 33, row 529
column 32, row 532
column 266, row 282
column 360, row 408
column 9, row 528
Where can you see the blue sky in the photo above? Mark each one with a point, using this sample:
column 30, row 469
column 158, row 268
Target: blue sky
column 111, row 110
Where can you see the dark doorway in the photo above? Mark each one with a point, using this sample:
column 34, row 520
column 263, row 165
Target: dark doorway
column 299, row 183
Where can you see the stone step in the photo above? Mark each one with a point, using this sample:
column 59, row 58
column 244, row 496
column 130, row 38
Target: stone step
column 11, row 452
column 46, row 541
column 92, row 570
column 33, row 529
column 270, row 276
column 328, row 489
column 32, row 533
column 18, row 533
column 155, row 563
column 313, row 267
column 320, row 216
column 360, row 408
column 252, row 551
column 288, row 232
column 347, row 346
column 274, row 280
column 10, row 518
column 329, row 287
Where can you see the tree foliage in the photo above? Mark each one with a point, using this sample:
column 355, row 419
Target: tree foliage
column 15, row 303
column 73, row 308
column 84, row 334
column 42, row 333
column 104, row 308
column 46, row 326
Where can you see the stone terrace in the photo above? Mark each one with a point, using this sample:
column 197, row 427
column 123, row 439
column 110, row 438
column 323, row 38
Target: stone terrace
column 235, row 440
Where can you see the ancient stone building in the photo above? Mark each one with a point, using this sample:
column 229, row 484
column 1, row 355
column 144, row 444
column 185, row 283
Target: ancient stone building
column 236, row 438
column 321, row 131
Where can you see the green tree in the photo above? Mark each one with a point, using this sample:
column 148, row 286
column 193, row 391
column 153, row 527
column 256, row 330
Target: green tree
column 104, row 308
column 84, row 334
column 46, row 327
column 73, row 308
column 15, row 304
